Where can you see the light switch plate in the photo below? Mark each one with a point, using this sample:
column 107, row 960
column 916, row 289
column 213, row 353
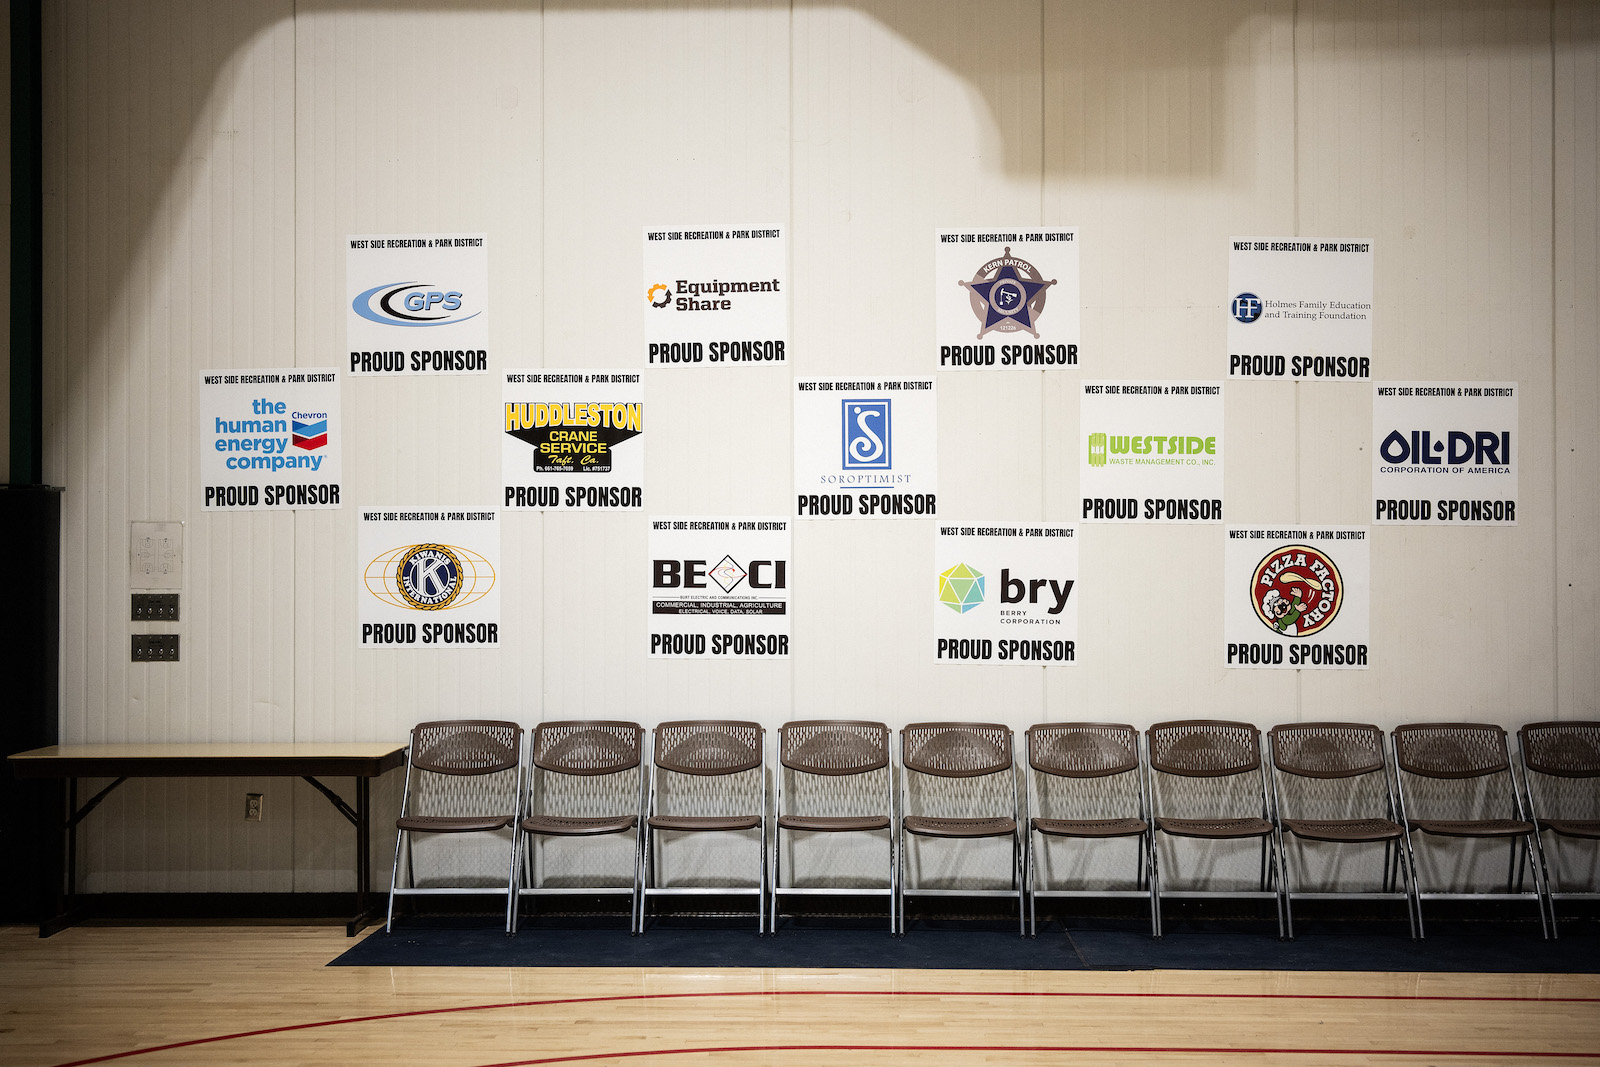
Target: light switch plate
column 155, row 555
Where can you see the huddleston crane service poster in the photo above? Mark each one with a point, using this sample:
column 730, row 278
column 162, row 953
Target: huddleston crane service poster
column 1007, row 300
column 417, row 304
column 719, row 587
column 717, row 296
column 1005, row 593
column 270, row 439
column 1300, row 308
column 573, row 440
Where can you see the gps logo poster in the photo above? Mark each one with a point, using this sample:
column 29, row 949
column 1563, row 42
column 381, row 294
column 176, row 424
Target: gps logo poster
column 417, row 304
column 429, row 577
column 1006, row 299
column 1297, row 597
column 573, row 440
column 716, row 296
column 1006, row 593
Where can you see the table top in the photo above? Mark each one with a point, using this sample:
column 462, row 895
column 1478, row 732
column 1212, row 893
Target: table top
column 363, row 759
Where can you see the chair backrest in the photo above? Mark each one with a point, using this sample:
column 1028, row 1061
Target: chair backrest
column 1562, row 761
column 1202, row 768
column 463, row 767
column 1331, row 770
column 1084, row 770
column 709, row 767
column 586, row 768
column 1455, row 770
column 958, row 770
column 834, row 768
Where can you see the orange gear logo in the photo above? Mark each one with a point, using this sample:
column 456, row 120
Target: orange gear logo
column 666, row 296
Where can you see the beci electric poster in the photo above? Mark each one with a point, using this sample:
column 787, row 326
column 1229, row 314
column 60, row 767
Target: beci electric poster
column 719, row 587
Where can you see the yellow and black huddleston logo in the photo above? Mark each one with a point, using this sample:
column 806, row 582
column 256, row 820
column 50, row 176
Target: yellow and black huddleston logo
column 429, row 577
column 574, row 438
column 1007, row 295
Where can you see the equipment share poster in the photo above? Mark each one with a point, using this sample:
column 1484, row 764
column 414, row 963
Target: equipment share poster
column 719, row 587
column 1297, row 596
column 1444, row 453
column 269, row 439
column 1006, row 593
column 429, row 577
column 1300, row 308
column 865, row 448
column 716, row 296
column 1007, row 300
column 573, row 440
column 1151, row 452
column 417, row 304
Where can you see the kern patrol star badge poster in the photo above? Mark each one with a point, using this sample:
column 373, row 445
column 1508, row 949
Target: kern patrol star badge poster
column 1007, row 299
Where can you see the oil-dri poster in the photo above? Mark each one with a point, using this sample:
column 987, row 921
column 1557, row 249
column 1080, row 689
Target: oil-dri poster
column 270, row 439
column 573, row 440
column 719, row 587
column 1007, row 300
column 417, row 304
column 865, row 448
column 1300, row 308
column 1151, row 451
column 716, row 296
column 1005, row 593
column 1444, row 453
column 1297, row 597
column 429, row 577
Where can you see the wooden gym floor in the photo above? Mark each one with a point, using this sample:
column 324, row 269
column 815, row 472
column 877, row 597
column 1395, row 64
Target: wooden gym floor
column 147, row 995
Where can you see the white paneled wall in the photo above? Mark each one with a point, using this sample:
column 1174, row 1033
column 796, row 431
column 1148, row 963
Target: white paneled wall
column 205, row 162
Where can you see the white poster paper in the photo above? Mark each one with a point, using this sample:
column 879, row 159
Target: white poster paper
column 417, row 304
column 1005, row 593
column 865, row 448
column 1297, row 597
column 719, row 588
column 716, row 296
column 573, row 440
column 1151, row 451
column 429, row 577
column 270, row 439
column 1007, row 301
column 1299, row 308
column 1444, row 453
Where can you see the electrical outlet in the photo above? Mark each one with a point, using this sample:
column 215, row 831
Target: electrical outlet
column 252, row 806
column 155, row 648
column 155, row 607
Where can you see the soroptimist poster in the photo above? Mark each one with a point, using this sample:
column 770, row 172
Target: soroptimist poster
column 270, row 439
column 716, row 296
column 1151, row 451
column 1297, row 596
column 865, row 448
column 1005, row 593
column 719, row 587
column 1444, row 453
column 1007, row 300
column 417, row 304
column 573, row 440
column 429, row 577
column 1300, row 308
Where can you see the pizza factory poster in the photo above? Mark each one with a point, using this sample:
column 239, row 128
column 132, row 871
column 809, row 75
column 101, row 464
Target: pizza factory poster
column 429, row 577
column 1006, row 593
column 1007, row 301
column 572, row 441
column 417, row 304
column 716, row 296
column 1444, row 453
column 1297, row 597
column 1300, row 308
column 270, row 439
column 1151, row 452
column 865, row 448
column 719, row 587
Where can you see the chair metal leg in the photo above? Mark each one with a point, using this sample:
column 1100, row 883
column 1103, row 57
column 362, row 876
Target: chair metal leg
column 394, row 875
column 513, row 880
column 1155, row 884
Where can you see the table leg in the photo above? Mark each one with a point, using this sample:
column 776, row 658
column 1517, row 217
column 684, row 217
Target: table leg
column 363, row 858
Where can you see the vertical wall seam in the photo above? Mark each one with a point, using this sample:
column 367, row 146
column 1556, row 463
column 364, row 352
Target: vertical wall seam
column 1555, row 381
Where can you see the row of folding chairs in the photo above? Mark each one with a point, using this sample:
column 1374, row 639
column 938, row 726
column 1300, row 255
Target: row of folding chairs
column 1319, row 783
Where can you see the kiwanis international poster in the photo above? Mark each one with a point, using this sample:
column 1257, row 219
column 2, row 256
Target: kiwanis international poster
column 1444, row 453
column 429, row 577
column 865, row 448
column 1297, row 596
column 417, row 304
column 1006, row 593
column 1007, row 299
column 1150, row 451
column 716, row 296
column 719, row 587
column 1300, row 308
column 573, row 440
column 270, row 439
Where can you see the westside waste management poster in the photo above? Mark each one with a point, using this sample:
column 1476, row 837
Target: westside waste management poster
column 1151, row 451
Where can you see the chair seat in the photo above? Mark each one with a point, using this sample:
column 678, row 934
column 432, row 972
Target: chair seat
column 1215, row 828
column 453, row 824
column 704, row 822
column 832, row 824
column 1343, row 830
column 565, row 826
column 1091, row 827
column 1589, row 828
column 1473, row 827
column 931, row 827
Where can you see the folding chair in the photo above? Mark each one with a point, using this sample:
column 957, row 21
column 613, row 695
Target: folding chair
column 1334, row 778
column 1202, row 768
column 959, row 782
column 586, row 782
column 1086, row 782
column 1561, row 772
column 1456, row 782
column 462, row 777
column 710, row 776
column 834, row 777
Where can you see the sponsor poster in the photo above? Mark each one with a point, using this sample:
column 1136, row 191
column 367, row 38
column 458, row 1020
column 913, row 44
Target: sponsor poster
column 1299, row 308
column 716, row 296
column 573, row 440
column 719, row 588
column 865, row 448
column 1444, row 453
column 1297, row 597
column 1007, row 301
column 270, row 439
column 1005, row 593
column 429, row 577
column 1151, row 451
column 417, row 304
